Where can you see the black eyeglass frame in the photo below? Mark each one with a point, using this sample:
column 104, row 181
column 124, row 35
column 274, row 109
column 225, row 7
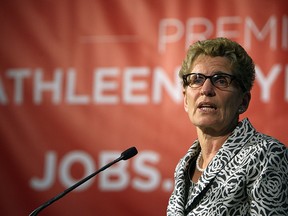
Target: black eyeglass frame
column 232, row 77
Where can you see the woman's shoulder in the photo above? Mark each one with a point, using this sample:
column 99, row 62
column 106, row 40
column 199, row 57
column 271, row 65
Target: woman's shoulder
column 261, row 141
column 266, row 151
column 268, row 143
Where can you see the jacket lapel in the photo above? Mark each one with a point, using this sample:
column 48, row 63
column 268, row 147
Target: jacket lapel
column 180, row 176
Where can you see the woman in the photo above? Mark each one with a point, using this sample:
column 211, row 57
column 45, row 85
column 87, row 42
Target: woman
column 231, row 169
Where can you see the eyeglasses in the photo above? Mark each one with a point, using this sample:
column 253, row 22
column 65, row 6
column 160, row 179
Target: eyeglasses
column 219, row 80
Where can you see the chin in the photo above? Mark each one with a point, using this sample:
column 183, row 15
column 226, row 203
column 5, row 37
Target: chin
column 207, row 121
column 204, row 123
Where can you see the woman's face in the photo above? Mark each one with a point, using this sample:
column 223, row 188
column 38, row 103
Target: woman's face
column 212, row 110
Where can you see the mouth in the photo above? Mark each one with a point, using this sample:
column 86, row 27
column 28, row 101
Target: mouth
column 207, row 106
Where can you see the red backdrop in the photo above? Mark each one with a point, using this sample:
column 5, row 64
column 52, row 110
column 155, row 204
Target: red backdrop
column 81, row 81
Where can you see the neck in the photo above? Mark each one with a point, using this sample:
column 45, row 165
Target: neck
column 210, row 145
column 212, row 138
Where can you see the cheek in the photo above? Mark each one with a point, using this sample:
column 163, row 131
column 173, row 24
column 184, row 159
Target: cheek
column 189, row 102
column 185, row 103
column 233, row 104
column 186, row 100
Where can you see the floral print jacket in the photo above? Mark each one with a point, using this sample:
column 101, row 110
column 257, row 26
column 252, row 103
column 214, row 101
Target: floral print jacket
column 247, row 176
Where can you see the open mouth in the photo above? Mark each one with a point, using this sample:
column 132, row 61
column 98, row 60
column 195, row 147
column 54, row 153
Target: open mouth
column 207, row 106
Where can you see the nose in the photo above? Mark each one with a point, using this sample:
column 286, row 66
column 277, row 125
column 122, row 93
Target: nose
column 207, row 88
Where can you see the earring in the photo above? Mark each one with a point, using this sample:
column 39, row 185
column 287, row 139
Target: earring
column 241, row 110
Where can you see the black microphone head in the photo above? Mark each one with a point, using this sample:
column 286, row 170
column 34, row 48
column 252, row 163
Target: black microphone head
column 131, row 152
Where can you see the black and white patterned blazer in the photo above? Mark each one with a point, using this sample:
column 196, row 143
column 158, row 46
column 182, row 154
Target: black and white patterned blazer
column 247, row 176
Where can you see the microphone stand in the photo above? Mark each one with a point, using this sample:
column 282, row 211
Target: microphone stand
column 124, row 156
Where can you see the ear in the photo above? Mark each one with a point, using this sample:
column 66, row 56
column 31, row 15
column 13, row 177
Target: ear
column 185, row 99
column 245, row 102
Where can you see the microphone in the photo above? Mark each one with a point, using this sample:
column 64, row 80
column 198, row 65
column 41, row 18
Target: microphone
column 127, row 154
